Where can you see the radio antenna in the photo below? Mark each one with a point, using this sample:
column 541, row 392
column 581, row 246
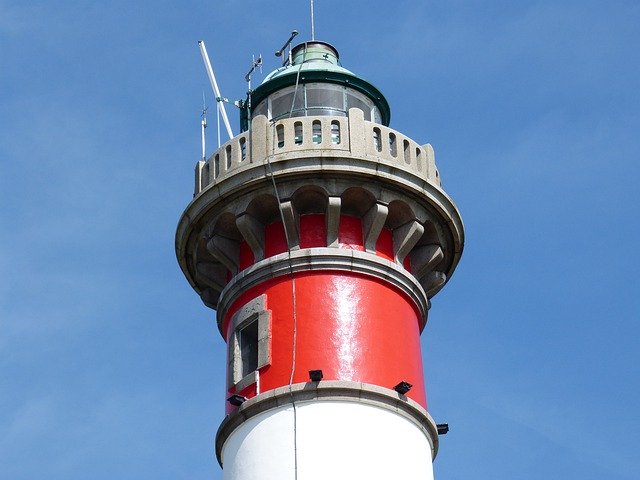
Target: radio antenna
column 284, row 47
column 256, row 63
column 203, row 126
column 313, row 24
column 218, row 120
column 214, row 85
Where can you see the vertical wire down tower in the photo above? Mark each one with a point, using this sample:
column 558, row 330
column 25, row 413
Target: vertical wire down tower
column 319, row 235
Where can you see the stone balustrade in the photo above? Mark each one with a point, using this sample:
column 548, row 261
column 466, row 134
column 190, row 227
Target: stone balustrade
column 324, row 137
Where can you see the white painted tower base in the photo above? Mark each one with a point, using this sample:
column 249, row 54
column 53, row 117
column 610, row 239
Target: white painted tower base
column 327, row 440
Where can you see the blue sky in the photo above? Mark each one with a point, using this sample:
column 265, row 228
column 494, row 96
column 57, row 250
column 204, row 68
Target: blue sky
column 110, row 366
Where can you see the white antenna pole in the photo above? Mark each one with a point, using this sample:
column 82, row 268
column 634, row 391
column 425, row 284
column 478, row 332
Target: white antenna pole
column 218, row 114
column 313, row 26
column 203, row 126
column 214, row 85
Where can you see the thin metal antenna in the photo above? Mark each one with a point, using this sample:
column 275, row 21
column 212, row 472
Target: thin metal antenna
column 254, row 65
column 218, row 115
column 203, row 126
column 214, row 85
column 284, row 47
column 313, row 24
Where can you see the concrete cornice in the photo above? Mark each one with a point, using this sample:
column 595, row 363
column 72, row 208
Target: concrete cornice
column 324, row 259
column 397, row 172
column 330, row 391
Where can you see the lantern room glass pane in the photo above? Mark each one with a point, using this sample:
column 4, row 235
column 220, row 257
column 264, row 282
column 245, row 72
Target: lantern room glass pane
column 261, row 109
column 316, row 99
column 325, row 95
column 354, row 100
column 324, row 112
column 282, row 101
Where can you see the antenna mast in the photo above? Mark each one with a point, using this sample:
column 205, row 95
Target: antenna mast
column 203, row 124
column 313, row 24
column 214, row 85
column 256, row 63
column 218, row 120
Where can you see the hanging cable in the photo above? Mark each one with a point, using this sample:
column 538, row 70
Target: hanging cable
column 294, row 305
column 295, row 90
column 291, row 272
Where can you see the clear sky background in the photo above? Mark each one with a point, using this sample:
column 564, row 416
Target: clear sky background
column 111, row 367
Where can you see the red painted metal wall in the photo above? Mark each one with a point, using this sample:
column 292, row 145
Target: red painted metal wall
column 351, row 326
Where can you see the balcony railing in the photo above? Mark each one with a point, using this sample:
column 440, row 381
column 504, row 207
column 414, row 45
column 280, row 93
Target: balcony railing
column 325, row 136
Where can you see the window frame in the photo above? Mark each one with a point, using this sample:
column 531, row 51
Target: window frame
column 252, row 311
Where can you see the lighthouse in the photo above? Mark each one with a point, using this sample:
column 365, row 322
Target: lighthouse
column 319, row 235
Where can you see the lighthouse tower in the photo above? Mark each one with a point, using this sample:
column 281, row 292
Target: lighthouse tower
column 319, row 236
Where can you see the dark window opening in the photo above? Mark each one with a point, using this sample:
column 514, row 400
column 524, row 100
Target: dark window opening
column 316, row 131
column 297, row 133
column 280, row 134
column 248, row 339
column 335, row 132
column 243, row 149
column 228, row 156
column 377, row 141
column 216, row 166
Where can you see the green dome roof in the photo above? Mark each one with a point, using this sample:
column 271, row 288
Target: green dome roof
column 315, row 56
column 305, row 67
